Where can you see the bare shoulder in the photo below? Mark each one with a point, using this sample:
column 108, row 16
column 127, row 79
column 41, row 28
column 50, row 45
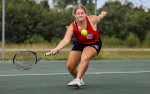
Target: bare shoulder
column 92, row 18
column 69, row 29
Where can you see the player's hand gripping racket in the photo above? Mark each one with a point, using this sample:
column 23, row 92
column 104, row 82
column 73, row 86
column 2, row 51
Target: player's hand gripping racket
column 25, row 60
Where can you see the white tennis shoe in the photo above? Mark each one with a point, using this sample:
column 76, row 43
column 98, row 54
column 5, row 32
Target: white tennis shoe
column 75, row 81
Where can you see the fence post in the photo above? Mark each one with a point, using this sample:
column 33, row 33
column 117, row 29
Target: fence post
column 3, row 30
column 95, row 7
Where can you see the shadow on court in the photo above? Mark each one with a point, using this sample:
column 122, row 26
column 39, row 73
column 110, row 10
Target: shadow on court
column 102, row 77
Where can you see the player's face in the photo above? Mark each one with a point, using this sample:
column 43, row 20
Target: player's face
column 80, row 15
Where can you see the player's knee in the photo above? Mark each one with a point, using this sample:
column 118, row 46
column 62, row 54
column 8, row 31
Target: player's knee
column 85, row 58
column 70, row 67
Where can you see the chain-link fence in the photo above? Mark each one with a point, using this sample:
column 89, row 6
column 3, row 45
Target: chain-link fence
column 41, row 24
column 36, row 24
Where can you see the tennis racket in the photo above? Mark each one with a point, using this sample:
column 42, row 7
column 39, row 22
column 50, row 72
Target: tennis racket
column 25, row 60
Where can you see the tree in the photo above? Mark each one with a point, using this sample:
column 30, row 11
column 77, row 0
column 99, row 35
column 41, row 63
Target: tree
column 90, row 7
column 116, row 22
column 22, row 19
column 140, row 24
column 26, row 18
column 45, row 5
column 62, row 4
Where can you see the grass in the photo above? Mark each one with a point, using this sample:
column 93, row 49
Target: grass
column 131, row 42
column 63, row 55
column 125, row 54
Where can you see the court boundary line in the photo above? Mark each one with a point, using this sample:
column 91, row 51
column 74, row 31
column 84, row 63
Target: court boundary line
column 69, row 73
column 70, row 49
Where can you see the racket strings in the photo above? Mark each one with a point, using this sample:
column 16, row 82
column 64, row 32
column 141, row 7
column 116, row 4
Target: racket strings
column 25, row 60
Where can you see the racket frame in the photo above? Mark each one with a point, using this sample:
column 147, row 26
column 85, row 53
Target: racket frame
column 37, row 59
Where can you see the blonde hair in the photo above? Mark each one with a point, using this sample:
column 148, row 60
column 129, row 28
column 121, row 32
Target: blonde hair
column 76, row 8
column 67, row 27
column 79, row 7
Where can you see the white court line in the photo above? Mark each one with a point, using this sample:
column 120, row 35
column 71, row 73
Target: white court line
column 70, row 49
column 69, row 73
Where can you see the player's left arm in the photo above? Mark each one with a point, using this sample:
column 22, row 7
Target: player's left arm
column 95, row 19
column 101, row 16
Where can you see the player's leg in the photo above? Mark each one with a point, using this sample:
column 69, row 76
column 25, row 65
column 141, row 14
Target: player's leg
column 73, row 61
column 88, row 53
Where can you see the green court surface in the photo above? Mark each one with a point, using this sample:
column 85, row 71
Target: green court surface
column 102, row 77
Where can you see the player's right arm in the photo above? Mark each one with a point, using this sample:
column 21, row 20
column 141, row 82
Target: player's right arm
column 67, row 38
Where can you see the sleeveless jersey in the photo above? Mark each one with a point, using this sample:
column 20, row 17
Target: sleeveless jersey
column 91, row 37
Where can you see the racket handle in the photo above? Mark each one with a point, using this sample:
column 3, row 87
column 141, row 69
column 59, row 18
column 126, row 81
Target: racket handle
column 49, row 53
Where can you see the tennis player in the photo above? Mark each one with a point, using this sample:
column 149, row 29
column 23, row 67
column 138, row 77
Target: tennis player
column 85, row 47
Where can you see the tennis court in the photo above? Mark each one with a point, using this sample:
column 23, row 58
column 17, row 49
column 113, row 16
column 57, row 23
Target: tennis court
column 102, row 77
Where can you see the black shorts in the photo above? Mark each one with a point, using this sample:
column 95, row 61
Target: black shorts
column 78, row 46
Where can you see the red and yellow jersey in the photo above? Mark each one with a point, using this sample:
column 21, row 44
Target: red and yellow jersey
column 91, row 37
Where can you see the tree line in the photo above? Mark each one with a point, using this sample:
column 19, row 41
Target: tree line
column 27, row 20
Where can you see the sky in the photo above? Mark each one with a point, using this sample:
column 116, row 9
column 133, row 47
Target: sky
column 100, row 3
column 145, row 3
